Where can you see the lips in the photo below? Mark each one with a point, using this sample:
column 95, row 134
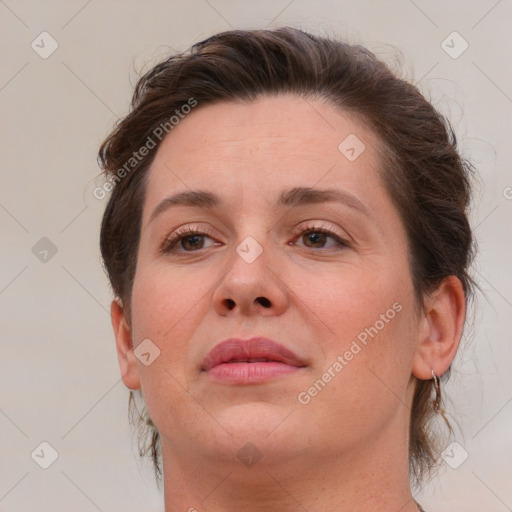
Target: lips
column 254, row 359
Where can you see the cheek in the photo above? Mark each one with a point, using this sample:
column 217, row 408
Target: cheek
column 354, row 299
column 371, row 325
column 166, row 309
column 371, row 359
column 164, row 302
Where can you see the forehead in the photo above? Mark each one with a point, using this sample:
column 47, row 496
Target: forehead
column 263, row 145
column 289, row 121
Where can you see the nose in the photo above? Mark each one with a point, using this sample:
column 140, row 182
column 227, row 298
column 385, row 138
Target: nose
column 251, row 287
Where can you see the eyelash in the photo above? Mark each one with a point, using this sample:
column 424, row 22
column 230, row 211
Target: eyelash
column 169, row 243
column 173, row 239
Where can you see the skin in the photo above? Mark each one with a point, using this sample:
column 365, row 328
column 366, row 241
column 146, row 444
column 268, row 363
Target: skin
column 347, row 448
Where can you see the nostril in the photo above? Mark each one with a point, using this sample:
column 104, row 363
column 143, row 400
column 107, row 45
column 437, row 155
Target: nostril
column 230, row 303
column 264, row 302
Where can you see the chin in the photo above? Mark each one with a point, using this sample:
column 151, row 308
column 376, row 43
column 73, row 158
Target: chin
column 253, row 419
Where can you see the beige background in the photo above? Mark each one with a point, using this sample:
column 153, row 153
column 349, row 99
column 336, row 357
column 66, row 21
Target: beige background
column 59, row 378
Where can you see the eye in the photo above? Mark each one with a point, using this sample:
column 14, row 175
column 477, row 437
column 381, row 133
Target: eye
column 192, row 240
column 317, row 237
column 189, row 239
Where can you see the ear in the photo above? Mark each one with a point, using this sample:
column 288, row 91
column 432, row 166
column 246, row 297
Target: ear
column 124, row 343
column 440, row 329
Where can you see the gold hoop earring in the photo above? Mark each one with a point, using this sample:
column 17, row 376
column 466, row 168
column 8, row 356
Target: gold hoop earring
column 437, row 386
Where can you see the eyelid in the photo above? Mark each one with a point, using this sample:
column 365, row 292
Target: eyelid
column 325, row 226
column 169, row 241
column 174, row 237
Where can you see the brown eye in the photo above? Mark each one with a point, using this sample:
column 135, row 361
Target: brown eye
column 187, row 240
column 192, row 241
column 317, row 238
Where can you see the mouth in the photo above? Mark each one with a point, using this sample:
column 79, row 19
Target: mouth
column 257, row 359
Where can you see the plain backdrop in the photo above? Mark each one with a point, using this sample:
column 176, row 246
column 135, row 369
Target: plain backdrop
column 59, row 378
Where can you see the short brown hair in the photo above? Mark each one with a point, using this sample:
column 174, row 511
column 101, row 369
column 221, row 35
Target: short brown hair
column 425, row 176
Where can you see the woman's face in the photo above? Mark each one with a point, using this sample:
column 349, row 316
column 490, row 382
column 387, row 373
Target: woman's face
column 327, row 279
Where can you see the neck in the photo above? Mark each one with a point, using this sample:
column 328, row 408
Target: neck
column 366, row 478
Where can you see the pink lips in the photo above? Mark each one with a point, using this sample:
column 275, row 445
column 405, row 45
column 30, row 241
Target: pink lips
column 257, row 359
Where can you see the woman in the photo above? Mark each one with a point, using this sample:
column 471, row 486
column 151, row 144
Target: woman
column 288, row 245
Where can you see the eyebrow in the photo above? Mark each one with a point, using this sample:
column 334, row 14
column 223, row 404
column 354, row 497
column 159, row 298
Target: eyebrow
column 294, row 197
